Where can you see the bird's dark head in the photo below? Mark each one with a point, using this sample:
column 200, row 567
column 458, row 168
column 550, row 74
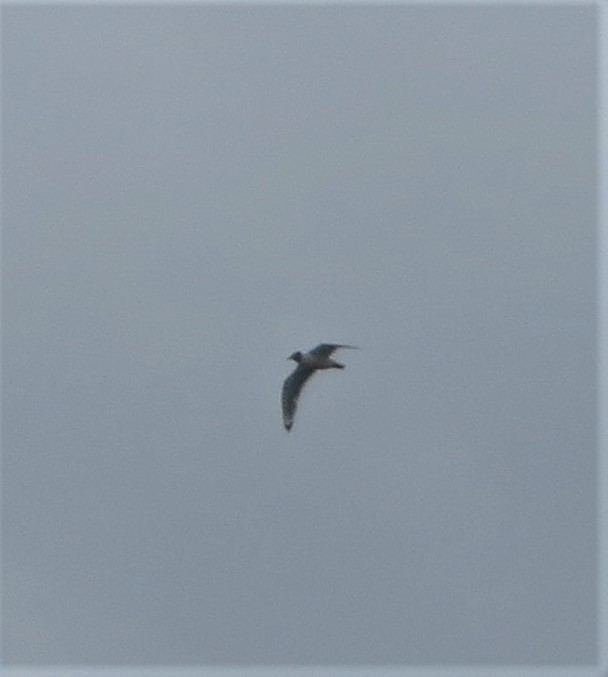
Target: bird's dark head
column 296, row 357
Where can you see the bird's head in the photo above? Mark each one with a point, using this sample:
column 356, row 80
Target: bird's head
column 296, row 357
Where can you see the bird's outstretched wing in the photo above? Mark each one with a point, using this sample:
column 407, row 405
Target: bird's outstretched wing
column 324, row 350
column 291, row 391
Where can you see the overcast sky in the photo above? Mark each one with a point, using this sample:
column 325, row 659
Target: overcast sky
column 191, row 193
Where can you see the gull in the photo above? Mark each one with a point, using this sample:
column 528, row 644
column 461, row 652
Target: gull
column 308, row 363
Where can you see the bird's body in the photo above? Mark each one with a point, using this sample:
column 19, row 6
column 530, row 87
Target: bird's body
column 308, row 363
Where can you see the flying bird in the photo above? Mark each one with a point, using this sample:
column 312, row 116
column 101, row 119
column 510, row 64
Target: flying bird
column 308, row 363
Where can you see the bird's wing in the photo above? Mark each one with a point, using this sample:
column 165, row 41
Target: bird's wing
column 291, row 391
column 324, row 350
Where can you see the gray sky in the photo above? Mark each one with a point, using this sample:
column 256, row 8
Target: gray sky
column 190, row 194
